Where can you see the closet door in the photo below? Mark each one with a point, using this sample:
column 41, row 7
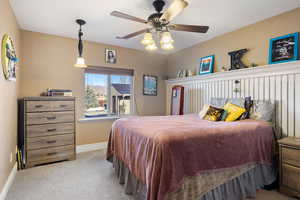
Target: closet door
column 177, row 100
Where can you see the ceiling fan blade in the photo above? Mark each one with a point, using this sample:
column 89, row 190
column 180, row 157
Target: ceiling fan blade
column 188, row 28
column 131, row 35
column 129, row 17
column 175, row 9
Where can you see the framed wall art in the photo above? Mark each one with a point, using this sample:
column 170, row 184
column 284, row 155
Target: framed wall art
column 8, row 58
column 284, row 48
column 207, row 65
column 110, row 56
column 150, row 85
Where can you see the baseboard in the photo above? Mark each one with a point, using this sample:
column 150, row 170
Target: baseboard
column 9, row 182
column 90, row 147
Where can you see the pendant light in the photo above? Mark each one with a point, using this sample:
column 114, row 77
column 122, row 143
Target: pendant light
column 80, row 63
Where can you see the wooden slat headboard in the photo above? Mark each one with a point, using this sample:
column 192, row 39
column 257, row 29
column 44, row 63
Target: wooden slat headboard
column 278, row 83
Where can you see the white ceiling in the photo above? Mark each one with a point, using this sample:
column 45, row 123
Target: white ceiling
column 57, row 17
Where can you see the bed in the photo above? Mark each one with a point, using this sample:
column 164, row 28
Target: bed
column 187, row 158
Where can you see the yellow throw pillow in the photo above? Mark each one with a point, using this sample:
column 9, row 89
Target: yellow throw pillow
column 234, row 112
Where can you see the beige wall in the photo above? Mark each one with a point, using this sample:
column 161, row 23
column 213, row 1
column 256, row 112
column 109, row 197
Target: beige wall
column 254, row 37
column 47, row 62
column 8, row 97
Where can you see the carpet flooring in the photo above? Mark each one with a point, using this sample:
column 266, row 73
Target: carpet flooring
column 90, row 177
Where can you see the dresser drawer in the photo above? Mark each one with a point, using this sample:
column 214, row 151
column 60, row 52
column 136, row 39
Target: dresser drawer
column 291, row 177
column 42, row 106
column 50, row 153
column 291, row 156
column 49, row 117
column 50, row 141
column 50, row 129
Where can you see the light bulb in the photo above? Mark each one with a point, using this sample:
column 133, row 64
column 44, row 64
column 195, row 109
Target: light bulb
column 167, row 46
column 151, row 47
column 148, row 39
column 80, row 63
column 166, row 38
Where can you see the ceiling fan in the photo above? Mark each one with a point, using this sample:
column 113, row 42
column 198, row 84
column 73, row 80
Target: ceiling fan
column 160, row 23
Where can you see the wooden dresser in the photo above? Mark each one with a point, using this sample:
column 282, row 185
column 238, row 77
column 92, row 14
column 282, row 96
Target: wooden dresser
column 289, row 153
column 46, row 130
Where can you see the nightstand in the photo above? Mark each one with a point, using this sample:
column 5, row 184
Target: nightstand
column 289, row 166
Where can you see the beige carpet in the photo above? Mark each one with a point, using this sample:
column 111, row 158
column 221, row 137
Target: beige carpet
column 89, row 177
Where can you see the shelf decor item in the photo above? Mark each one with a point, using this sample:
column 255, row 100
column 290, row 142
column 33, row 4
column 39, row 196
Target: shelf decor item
column 150, row 85
column 236, row 59
column 8, row 58
column 207, row 65
column 284, row 48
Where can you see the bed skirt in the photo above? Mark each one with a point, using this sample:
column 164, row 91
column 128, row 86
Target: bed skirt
column 242, row 186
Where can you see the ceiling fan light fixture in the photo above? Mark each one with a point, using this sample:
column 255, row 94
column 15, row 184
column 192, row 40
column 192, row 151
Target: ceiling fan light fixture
column 151, row 47
column 148, row 39
column 166, row 38
column 167, row 46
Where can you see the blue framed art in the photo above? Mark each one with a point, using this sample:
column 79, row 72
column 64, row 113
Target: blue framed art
column 207, row 65
column 284, row 49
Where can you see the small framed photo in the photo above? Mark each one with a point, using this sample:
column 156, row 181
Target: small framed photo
column 207, row 65
column 150, row 85
column 110, row 56
column 284, row 48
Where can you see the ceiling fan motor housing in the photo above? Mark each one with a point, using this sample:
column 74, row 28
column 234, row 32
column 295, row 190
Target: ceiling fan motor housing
column 154, row 19
column 159, row 5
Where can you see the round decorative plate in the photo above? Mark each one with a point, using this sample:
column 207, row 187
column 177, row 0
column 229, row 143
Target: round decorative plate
column 8, row 58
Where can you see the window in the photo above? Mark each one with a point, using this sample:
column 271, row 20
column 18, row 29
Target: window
column 108, row 91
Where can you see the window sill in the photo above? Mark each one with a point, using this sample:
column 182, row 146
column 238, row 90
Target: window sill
column 92, row 119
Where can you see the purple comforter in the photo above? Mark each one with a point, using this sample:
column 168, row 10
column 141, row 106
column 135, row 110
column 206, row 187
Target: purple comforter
column 161, row 151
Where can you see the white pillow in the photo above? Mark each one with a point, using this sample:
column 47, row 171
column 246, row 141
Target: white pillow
column 204, row 110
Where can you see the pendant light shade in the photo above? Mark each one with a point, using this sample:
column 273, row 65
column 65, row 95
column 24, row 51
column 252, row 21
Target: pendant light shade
column 80, row 62
column 166, row 38
column 167, row 46
column 148, row 39
column 151, row 47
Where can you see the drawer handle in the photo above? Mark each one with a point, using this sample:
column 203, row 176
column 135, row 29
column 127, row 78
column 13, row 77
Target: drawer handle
column 51, row 154
column 51, row 141
column 38, row 106
column 51, row 118
column 63, row 106
column 52, row 130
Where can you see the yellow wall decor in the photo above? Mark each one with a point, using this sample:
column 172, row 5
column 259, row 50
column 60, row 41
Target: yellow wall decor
column 8, row 58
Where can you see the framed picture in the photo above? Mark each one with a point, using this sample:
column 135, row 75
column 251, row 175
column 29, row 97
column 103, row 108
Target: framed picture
column 284, row 48
column 110, row 56
column 207, row 65
column 8, row 58
column 150, row 85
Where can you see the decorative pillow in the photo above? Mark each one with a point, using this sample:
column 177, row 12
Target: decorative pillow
column 262, row 110
column 237, row 101
column 248, row 105
column 224, row 115
column 204, row 110
column 213, row 114
column 218, row 102
column 234, row 112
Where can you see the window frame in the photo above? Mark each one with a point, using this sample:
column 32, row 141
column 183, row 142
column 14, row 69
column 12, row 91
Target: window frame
column 111, row 72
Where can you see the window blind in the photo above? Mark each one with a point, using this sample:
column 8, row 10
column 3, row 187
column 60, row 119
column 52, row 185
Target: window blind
column 109, row 70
